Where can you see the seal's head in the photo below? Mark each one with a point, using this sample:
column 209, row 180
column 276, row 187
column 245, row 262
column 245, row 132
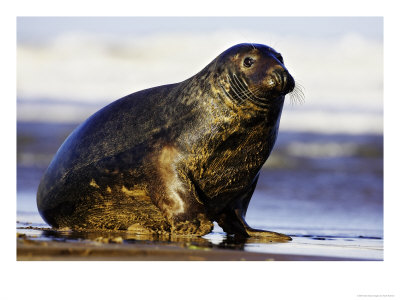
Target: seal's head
column 255, row 73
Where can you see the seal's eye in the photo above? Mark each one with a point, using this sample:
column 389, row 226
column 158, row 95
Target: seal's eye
column 248, row 62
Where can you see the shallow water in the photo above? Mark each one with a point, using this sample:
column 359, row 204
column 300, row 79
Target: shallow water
column 326, row 191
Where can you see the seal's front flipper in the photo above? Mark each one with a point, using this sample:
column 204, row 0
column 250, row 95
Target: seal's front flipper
column 232, row 221
column 263, row 234
column 270, row 235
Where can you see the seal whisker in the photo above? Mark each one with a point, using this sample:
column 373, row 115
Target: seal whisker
column 236, row 89
column 249, row 93
column 235, row 92
column 297, row 95
column 241, row 91
column 226, row 92
column 234, row 84
column 243, row 84
column 244, row 90
column 253, row 91
column 240, row 84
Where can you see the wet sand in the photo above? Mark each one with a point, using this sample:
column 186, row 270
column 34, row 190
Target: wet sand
column 28, row 250
column 47, row 244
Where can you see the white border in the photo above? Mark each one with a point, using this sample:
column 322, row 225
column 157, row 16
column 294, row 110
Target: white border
column 259, row 280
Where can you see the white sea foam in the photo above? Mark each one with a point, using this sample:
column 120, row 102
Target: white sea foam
column 342, row 76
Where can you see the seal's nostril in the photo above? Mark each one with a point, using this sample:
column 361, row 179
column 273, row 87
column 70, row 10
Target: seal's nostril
column 284, row 80
column 280, row 77
column 277, row 76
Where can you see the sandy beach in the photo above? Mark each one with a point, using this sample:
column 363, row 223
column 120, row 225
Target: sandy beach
column 34, row 250
column 48, row 244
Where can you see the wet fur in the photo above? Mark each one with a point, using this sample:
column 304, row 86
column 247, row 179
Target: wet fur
column 170, row 159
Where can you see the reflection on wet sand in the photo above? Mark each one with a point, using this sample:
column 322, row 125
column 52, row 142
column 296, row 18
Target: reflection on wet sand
column 38, row 243
column 120, row 236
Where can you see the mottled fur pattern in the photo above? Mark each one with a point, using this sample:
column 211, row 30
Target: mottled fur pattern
column 174, row 158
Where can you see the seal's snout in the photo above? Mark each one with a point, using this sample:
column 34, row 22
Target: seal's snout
column 288, row 82
column 281, row 81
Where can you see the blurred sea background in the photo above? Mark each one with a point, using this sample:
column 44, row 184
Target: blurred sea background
column 325, row 175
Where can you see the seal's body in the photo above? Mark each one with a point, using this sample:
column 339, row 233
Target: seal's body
column 173, row 158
